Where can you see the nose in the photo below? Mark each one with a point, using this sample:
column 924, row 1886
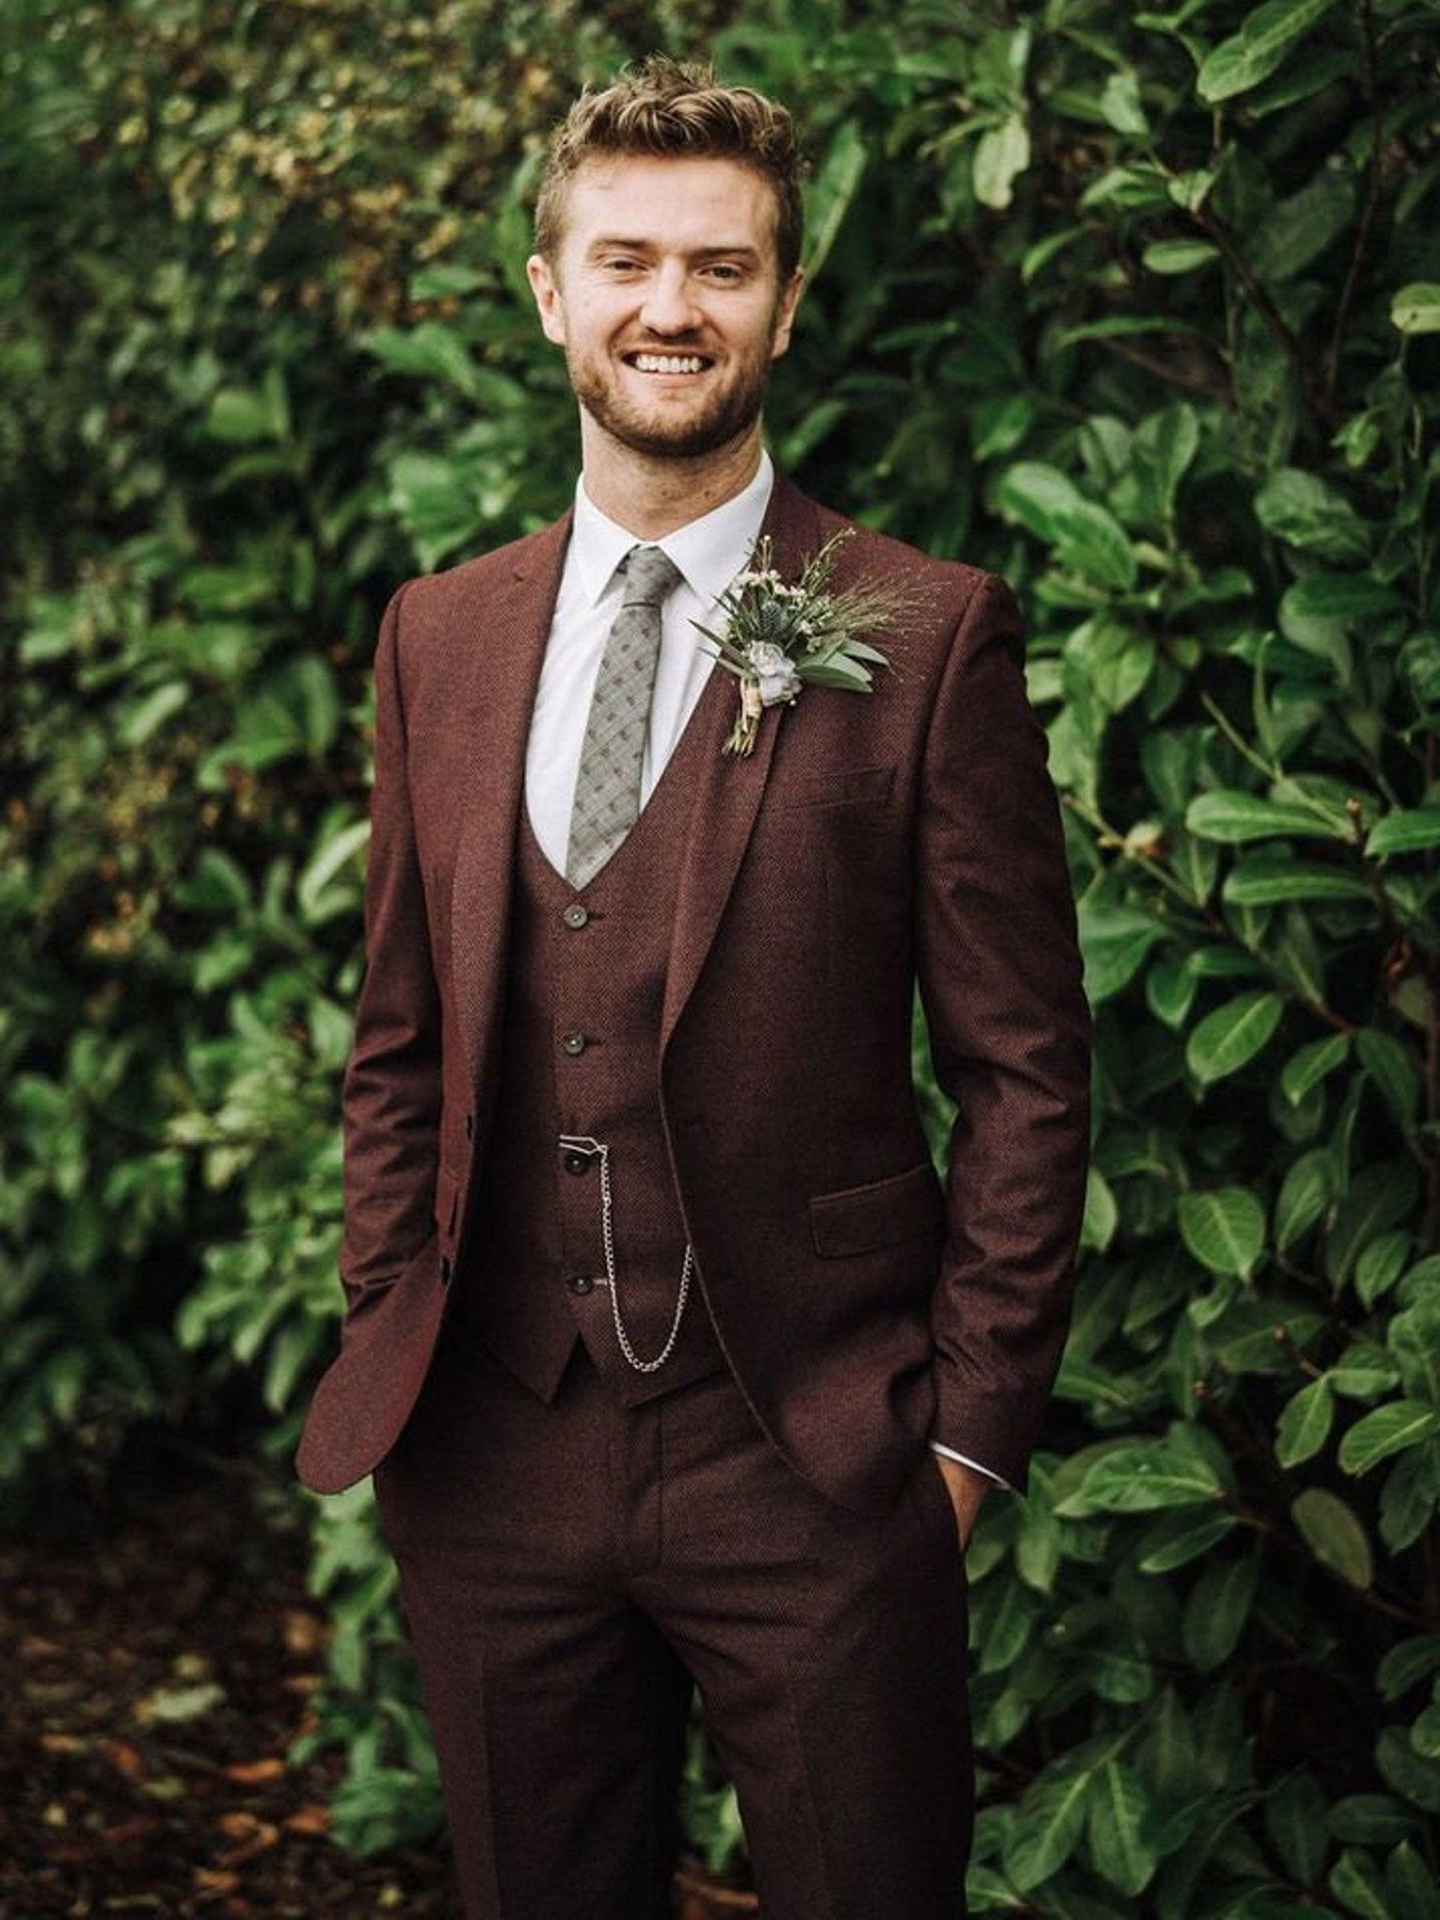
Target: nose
column 669, row 306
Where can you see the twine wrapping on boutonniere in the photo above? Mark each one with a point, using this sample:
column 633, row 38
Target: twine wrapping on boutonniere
column 780, row 636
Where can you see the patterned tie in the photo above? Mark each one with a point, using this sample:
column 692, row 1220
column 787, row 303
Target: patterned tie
column 607, row 787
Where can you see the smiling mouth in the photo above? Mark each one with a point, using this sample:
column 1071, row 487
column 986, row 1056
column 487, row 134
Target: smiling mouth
column 667, row 362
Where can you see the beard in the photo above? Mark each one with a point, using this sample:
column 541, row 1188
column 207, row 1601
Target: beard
column 725, row 416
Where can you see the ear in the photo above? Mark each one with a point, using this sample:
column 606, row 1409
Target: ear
column 546, row 289
column 785, row 313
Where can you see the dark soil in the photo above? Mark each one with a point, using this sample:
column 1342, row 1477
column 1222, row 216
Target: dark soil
column 153, row 1679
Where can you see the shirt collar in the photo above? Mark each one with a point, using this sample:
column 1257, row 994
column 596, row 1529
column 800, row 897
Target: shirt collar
column 709, row 551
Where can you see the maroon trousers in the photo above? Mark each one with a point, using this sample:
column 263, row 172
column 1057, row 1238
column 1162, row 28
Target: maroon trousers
column 568, row 1570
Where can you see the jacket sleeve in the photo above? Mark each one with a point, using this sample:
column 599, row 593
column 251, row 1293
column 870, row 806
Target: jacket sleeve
column 390, row 1100
column 999, row 973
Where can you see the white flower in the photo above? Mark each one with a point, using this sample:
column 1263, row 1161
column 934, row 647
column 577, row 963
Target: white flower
column 775, row 673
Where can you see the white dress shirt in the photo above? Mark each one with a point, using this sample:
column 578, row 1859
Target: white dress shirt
column 708, row 552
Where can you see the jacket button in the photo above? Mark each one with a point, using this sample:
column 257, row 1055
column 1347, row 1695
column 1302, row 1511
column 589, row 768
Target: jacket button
column 574, row 1043
column 580, row 1283
column 575, row 915
column 444, row 1269
column 577, row 1163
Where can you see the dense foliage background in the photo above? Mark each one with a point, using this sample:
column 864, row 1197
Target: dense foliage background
column 1140, row 308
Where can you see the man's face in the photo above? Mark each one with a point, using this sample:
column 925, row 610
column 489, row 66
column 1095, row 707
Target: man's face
column 666, row 298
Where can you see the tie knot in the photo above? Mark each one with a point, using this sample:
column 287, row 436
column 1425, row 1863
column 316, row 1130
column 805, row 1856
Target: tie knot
column 650, row 573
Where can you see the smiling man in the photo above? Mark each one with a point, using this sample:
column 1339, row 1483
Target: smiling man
column 675, row 1363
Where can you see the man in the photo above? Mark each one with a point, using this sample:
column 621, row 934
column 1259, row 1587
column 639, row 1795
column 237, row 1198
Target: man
column 654, row 1297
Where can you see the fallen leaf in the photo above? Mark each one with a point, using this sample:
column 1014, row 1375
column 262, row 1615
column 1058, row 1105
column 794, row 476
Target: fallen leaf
column 208, row 1880
column 314, row 1820
column 124, row 1758
column 239, row 1826
column 305, row 1633
column 177, row 1704
column 63, row 1743
column 255, row 1773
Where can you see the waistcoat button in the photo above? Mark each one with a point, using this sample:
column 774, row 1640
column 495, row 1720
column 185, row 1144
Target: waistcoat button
column 580, row 1283
column 575, row 915
column 574, row 1043
column 577, row 1163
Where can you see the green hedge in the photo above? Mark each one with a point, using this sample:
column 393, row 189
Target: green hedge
column 1139, row 308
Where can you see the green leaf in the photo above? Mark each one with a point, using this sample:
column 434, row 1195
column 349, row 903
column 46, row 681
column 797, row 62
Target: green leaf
column 1334, row 1534
column 1232, row 1035
column 1224, row 1229
column 1410, row 1774
column 1410, row 1886
column 1047, row 1827
column 1295, row 1811
column 1304, row 1425
column 831, row 192
column 1310, row 1064
column 1380, row 1196
column 1299, row 507
column 1232, row 816
column 430, row 350
column 1216, row 1611
column 1142, row 1477
column 1415, row 830
column 1178, row 256
column 1380, row 1265
column 1387, row 1430
column 1114, row 941
column 1001, row 155
column 1116, row 1812
column 1392, row 1070
column 1253, row 54
column 1347, row 597
column 1407, row 1664
column 1102, row 1216
column 1304, row 1195
column 1369, row 1820
column 1266, row 878
column 1355, row 1882
column 1120, row 104
column 1178, row 1538
column 1416, row 308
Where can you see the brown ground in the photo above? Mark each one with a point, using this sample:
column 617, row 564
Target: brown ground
column 152, row 1682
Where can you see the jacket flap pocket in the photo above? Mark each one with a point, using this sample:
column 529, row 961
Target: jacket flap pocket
column 849, row 784
column 857, row 1219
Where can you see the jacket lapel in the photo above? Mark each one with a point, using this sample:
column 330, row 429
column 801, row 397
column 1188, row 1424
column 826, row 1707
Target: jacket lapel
column 505, row 651
column 723, row 817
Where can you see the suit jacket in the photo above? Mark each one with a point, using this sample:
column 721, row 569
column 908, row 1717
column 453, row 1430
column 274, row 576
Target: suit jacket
column 869, row 842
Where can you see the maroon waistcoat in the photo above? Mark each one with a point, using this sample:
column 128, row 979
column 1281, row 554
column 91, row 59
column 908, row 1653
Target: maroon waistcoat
column 584, row 989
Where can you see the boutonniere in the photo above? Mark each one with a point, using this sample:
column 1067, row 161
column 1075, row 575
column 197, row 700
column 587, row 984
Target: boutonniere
column 780, row 636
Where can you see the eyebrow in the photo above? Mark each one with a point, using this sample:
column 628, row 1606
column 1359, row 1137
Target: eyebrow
column 737, row 249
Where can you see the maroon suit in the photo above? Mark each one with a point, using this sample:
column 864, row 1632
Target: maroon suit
column 850, row 1306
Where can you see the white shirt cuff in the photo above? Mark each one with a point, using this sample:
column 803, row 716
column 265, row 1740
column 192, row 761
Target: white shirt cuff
column 974, row 1465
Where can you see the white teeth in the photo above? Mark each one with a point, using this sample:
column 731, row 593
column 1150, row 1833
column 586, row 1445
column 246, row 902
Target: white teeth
column 668, row 363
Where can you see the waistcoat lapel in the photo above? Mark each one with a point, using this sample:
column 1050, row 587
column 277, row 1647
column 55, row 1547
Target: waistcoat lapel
column 506, row 649
column 726, row 807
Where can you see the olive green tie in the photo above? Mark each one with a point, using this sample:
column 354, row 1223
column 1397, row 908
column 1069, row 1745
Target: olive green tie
column 607, row 787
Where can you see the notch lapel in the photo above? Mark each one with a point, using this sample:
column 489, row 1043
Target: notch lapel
column 723, row 817
column 507, row 647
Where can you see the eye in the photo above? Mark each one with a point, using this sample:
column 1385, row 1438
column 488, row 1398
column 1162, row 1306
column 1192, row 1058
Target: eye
column 725, row 272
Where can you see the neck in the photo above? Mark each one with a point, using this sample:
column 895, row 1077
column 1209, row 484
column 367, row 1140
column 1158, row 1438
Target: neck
column 651, row 495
